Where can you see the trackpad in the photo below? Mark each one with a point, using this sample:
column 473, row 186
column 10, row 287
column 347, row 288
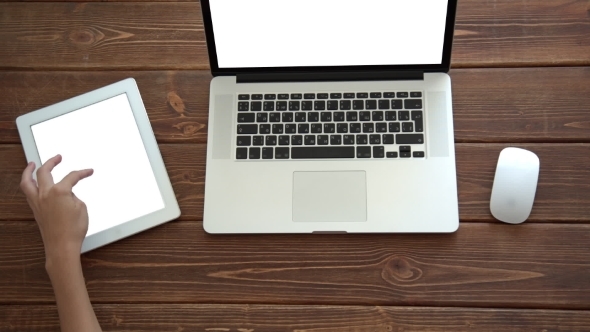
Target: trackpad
column 330, row 196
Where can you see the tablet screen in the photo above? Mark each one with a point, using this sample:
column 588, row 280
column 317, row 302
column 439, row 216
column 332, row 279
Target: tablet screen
column 105, row 137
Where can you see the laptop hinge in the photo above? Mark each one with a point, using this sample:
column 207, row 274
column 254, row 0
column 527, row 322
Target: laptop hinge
column 330, row 76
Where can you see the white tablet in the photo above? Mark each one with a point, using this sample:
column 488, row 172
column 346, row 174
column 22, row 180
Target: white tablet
column 108, row 130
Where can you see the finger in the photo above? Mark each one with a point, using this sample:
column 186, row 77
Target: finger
column 74, row 177
column 44, row 177
column 27, row 183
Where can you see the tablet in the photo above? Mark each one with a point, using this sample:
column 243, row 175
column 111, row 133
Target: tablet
column 107, row 130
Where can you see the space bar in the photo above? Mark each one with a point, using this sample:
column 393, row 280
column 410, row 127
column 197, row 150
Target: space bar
column 321, row 152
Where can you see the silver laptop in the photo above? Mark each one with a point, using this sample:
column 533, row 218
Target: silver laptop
column 330, row 116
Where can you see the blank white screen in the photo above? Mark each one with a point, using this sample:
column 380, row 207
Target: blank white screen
column 105, row 137
column 273, row 33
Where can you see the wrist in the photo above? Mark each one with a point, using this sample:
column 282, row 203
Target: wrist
column 62, row 261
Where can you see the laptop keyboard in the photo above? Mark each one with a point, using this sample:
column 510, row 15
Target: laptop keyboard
column 335, row 125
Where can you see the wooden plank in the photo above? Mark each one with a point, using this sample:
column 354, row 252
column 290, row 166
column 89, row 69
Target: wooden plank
column 562, row 194
column 490, row 105
column 151, row 35
column 275, row 318
column 481, row 265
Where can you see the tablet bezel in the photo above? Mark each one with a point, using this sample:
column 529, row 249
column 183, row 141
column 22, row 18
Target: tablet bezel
column 129, row 87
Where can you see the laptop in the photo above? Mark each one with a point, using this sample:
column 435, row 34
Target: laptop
column 330, row 116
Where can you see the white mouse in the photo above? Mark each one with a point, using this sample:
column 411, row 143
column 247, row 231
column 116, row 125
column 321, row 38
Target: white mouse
column 515, row 185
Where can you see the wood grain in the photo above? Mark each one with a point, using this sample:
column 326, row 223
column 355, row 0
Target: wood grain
column 304, row 318
column 490, row 105
column 562, row 194
column 481, row 265
column 151, row 35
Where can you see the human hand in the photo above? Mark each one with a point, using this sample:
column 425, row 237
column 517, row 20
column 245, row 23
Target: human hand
column 61, row 216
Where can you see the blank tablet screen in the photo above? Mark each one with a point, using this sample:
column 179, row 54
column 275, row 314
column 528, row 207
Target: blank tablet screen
column 105, row 137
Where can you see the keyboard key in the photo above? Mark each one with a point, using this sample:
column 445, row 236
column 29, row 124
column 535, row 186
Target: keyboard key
column 309, row 139
column 405, row 154
column 269, row 106
column 349, row 95
column 319, row 105
column 362, row 95
column 375, row 139
column 403, row 115
column 322, row 96
column 282, row 153
column 377, row 115
column 332, row 105
column 418, row 121
column 277, row 128
column 271, row 140
column 363, row 152
column 326, row 116
column 261, row 117
column 287, row 117
column 355, row 127
column 254, row 153
column 284, row 140
column 390, row 115
column 396, row 104
column 418, row 154
column 368, row 127
column 264, row 129
column 258, row 140
column 246, row 117
column 378, row 152
column 381, row 127
column 243, row 106
column 300, row 117
column 294, row 105
column 316, row 128
column 413, row 104
column 295, row 96
column 351, row 116
column 270, row 96
column 329, row 128
column 342, row 128
column 389, row 95
column 409, row 138
column 244, row 141
column 309, row 95
column 247, row 129
column 256, row 97
column 267, row 153
column 335, row 95
column 321, row 152
column 371, row 104
column 323, row 139
column 348, row 139
column 338, row 116
column 274, row 117
column 362, row 139
column 256, row 106
column 402, row 95
column 387, row 138
column 405, row 148
column 290, row 128
column 358, row 105
column 365, row 116
column 335, row 139
column 345, row 105
column 306, row 105
column 415, row 94
column 297, row 140
column 394, row 127
column 303, row 128
column 313, row 116
column 391, row 154
column 283, row 96
column 243, row 97
column 407, row 127
column 281, row 105
column 383, row 104
column 375, row 94
column 242, row 153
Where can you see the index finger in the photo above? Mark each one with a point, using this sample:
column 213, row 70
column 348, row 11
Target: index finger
column 44, row 177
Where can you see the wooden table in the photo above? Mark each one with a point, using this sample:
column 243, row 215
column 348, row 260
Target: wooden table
column 521, row 77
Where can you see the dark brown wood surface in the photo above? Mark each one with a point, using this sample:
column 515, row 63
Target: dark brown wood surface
column 521, row 77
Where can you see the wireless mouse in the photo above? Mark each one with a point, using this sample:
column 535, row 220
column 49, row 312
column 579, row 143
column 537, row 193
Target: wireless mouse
column 515, row 185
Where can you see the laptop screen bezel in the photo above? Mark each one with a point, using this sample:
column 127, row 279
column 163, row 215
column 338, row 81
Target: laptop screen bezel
column 216, row 71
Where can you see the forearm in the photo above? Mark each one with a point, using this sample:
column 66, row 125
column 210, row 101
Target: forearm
column 73, row 304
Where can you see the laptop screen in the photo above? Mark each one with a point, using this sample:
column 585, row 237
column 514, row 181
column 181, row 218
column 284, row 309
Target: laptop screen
column 312, row 33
